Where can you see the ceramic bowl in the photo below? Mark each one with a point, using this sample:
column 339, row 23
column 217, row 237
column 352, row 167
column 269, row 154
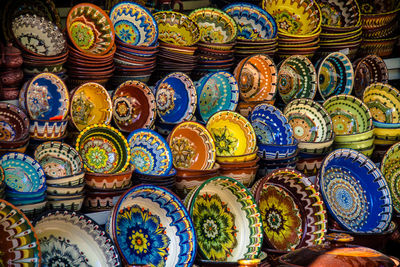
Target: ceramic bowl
column 356, row 145
column 14, row 126
column 372, row 20
column 390, row 169
column 64, row 190
column 72, row 180
column 237, row 159
column 382, row 47
column 109, row 181
column 176, row 28
column 32, row 210
column 309, row 166
column 73, row 204
column 245, row 175
column 245, row 108
column 90, row 29
column 58, row 159
column 236, row 165
column 337, row 13
column 96, row 201
column 354, row 137
column 273, row 151
column 48, row 130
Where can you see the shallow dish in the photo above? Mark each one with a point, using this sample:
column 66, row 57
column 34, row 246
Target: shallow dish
column 390, row 170
column 14, row 125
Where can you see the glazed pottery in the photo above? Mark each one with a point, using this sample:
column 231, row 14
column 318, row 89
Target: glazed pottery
column 72, row 180
column 112, row 181
column 236, row 159
column 69, row 204
column 14, row 126
column 48, row 129
column 389, row 168
column 340, row 14
column 32, row 210
column 274, row 151
column 64, row 190
column 101, row 200
column 245, row 175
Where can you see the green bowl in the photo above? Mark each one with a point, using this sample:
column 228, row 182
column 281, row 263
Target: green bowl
column 354, row 137
column 357, row 145
column 390, row 168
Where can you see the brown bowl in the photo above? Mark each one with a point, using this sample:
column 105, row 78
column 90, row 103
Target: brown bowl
column 15, row 117
column 245, row 175
column 109, row 181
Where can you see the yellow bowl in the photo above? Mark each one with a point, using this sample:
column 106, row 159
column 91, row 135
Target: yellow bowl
column 378, row 141
column 241, row 158
column 357, row 145
column 387, row 134
column 354, row 137
column 367, row 151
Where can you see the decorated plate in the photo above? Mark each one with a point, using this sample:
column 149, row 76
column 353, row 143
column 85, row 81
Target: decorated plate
column 233, row 134
column 133, row 106
column 14, row 124
column 390, row 168
column 192, row 146
column 72, row 239
column 215, row 25
column 215, row 92
column 253, row 22
column 90, row 104
column 256, row 76
column 18, row 239
column 47, row 98
column 383, row 100
column 90, row 29
column 150, row 225
column 349, row 115
column 297, row 78
column 134, row 24
column 150, row 153
column 355, row 192
column 271, row 126
column 227, row 220
column 176, row 98
column 103, row 149
column 22, row 173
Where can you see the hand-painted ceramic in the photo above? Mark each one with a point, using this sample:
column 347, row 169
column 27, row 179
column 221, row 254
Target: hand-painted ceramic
column 355, row 192
column 297, row 78
column 309, row 120
column 274, row 151
column 150, row 225
column 58, row 159
column 227, row 220
column 106, row 181
column 176, row 98
column 14, row 124
column 150, row 152
column 215, row 92
column 90, row 104
column 48, row 129
column 47, row 98
column 72, row 239
column 18, row 239
column 38, row 35
column 176, row 28
column 383, row 100
column 134, row 24
column 103, row 149
column 90, row 29
column 215, row 25
column 349, row 115
column 390, row 169
column 271, row 126
column 192, row 146
column 133, row 106
column 256, row 76
column 338, row 13
column 233, row 134
column 23, row 173
column 335, row 75
column 253, row 22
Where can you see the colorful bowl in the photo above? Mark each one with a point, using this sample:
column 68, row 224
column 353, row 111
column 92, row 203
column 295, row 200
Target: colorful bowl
column 72, row 180
column 245, row 175
column 48, row 129
column 236, row 159
column 354, row 137
column 109, row 181
column 339, row 14
column 14, row 125
column 390, row 170
column 274, row 151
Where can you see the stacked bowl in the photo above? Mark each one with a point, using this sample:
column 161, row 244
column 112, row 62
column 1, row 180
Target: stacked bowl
column 2, row 183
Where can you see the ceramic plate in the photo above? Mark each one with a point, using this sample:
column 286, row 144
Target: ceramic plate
column 14, row 124
column 133, row 106
column 383, row 100
column 90, row 29
column 271, row 126
column 253, row 22
column 23, row 173
column 216, row 91
column 73, row 239
column 47, row 98
column 176, row 98
column 227, row 220
column 150, row 153
column 390, row 168
column 134, row 24
column 90, row 104
column 18, row 239
column 297, row 78
column 349, row 115
column 233, row 134
column 103, row 149
column 355, row 192
column 150, row 225
column 192, row 146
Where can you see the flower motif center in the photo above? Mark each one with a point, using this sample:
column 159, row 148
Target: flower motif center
column 97, row 157
column 210, row 228
column 225, row 141
column 139, row 241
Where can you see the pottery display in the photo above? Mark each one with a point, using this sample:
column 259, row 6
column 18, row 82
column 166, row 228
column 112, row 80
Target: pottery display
column 389, row 170
column 14, row 126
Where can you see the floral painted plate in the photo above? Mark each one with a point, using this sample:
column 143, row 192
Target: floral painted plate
column 383, row 100
column 90, row 29
column 47, row 98
column 297, row 78
column 103, row 149
column 18, row 240
column 215, row 25
column 150, row 225
column 390, row 168
column 355, row 192
column 176, row 98
column 271, row 126
column 133, row 106
column 233, row 134
column 90, row 104
column 253, row 22
column 150, row 153
column 134, row 24
column 192, row 146
column 227, row 220
column 72, row 239
column 22, row 173
column 215, row 92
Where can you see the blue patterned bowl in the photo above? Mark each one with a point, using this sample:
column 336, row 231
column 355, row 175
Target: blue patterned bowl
column 386, row 125
column 273, row 151
column 26, row 199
